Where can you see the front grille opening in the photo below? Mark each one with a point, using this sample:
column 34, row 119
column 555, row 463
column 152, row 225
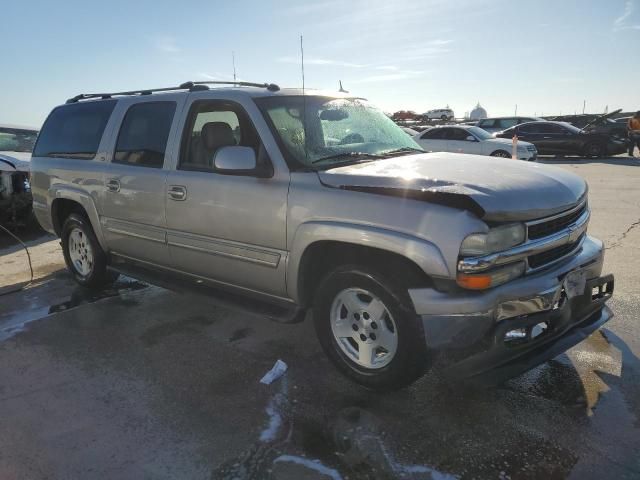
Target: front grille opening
column 540, row 259
column 550, row 227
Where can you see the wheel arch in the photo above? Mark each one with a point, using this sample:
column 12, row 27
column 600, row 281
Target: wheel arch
column 70, row 200
column 318, row 246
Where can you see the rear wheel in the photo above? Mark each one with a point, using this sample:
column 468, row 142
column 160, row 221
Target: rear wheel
column 501, row 154
column 444, row 117
column 83, row 255
column 367, row 327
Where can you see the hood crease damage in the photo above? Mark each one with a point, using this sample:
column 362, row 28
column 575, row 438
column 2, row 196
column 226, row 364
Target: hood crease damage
column 494, row 189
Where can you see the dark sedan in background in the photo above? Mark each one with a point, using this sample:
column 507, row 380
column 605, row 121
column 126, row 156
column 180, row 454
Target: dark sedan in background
column 560, row 138
column 604, row 124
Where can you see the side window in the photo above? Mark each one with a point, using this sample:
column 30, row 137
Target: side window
column 505, row 123
column 212, row 125
column 458, row 134
column 74, row 130
column 551, row 128
column 433, row 134
column 529, row 129
column 487, row 123
column 144, row 133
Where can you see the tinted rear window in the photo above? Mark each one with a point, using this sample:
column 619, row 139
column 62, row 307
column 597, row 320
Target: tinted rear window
column 144, row 133
column 74, row 131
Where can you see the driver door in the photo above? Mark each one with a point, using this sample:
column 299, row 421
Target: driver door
column 458, row 141
column 226, row 228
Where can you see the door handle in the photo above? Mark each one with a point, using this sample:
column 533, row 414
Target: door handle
column 113, row 185
column 177, row 192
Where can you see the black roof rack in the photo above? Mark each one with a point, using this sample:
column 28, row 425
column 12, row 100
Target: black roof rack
column 191, row 86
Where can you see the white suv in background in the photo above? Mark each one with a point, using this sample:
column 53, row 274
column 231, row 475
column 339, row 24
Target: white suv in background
column 439, row 114
column 473, row 140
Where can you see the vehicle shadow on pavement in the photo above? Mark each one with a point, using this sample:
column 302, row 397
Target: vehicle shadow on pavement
column 31, row 235
column 613, row 161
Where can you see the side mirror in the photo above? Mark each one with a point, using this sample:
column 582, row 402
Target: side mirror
column 235, row 160
column 471, row 138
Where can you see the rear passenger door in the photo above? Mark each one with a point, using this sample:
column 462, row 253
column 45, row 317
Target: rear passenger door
column 133, row 202
column 222, row 227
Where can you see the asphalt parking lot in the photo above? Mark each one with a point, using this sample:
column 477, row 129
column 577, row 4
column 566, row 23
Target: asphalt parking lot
column 139, row 382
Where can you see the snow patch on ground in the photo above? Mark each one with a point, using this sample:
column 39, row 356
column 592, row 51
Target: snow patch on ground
column 275, row 413
column 310, row 464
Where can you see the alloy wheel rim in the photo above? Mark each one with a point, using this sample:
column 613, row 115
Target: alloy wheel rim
column 363, row 328
column 80, row 252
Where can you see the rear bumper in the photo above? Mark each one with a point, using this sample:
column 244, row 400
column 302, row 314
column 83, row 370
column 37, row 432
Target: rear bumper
column 467, row 336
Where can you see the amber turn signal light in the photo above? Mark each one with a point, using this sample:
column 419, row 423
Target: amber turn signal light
column 474, row 282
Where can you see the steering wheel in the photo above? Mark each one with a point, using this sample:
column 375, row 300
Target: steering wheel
column 352, row 138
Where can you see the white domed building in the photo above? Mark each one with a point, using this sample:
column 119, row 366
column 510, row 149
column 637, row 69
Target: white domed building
column 478, row 113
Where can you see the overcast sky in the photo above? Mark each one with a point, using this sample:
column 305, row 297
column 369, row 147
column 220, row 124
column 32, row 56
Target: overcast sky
column 546, row 56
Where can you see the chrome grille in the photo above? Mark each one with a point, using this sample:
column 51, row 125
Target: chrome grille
column 541, row 259
column 544, row 228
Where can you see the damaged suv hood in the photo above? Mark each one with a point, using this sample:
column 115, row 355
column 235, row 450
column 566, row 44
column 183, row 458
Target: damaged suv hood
column 15, row 161
column 495, row 189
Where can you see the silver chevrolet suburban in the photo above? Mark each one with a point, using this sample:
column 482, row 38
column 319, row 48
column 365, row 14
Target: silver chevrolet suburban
column 478, row 267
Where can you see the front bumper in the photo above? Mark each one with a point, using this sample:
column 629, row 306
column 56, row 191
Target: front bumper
column 466, row 332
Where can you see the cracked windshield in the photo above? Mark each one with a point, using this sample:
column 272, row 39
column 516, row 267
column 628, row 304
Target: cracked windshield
column 320, row 240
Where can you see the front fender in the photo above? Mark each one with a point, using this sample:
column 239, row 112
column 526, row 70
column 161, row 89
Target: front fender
column 85, row 200
column 424, row 254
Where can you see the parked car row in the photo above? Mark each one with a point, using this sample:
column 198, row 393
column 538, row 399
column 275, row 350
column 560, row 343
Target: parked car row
column 499, row 124
column 472, row 140
column 443, row 114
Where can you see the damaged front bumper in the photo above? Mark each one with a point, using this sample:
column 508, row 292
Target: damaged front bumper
column 497, row 334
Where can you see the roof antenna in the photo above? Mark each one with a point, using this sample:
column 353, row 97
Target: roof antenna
column 304, row 102
column 233, row 61
column 342, row 90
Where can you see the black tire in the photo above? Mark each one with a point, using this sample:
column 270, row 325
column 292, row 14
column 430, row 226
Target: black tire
column 595, row 150
column 410, row 361
column 444, row 117
column 501, row 154
column 98, row 275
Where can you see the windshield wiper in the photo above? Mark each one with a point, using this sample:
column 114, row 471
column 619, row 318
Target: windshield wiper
column 403, row 150
column 348, row 155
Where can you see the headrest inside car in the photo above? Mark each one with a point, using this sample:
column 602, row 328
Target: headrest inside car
column 216, row 135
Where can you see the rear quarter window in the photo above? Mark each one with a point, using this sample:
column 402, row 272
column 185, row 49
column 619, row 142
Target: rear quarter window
column 75, row 130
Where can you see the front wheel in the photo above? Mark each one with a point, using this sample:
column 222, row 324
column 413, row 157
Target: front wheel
column 83, row 255
column 367, row 327
column 595, row 150
column 501, row 154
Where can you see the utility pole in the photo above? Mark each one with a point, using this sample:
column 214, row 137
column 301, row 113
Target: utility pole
column 584, row 106
column 516, row 112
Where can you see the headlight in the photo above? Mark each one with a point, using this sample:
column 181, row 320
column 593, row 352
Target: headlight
column 497, row 240
column 492, row 278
